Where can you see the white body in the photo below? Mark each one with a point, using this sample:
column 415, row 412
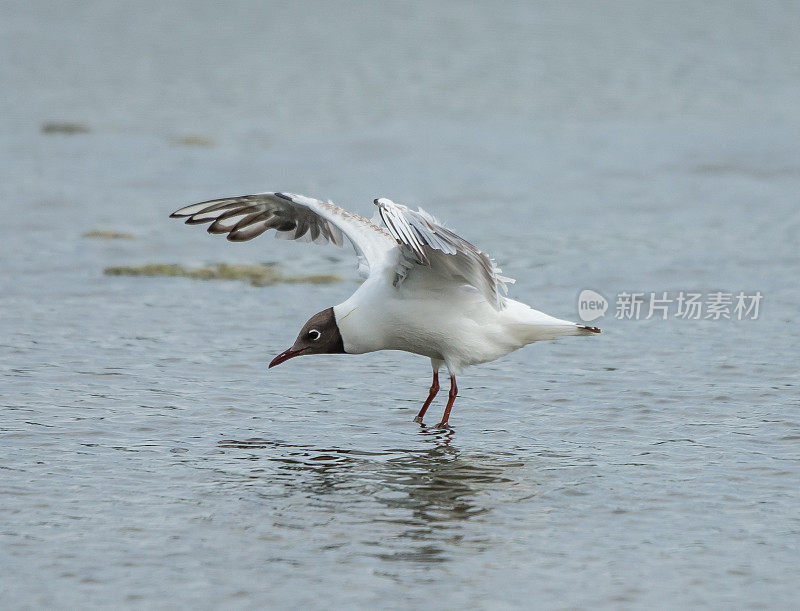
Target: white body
column 444, row 321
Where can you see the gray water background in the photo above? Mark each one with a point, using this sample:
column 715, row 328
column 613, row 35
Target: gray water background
column 149, row 459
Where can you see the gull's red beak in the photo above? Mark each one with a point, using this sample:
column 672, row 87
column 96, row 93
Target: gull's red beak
column 284, row 356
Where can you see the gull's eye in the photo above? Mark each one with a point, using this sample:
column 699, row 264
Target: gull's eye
column 314, row 335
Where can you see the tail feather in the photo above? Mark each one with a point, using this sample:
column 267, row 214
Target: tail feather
column 532, row 325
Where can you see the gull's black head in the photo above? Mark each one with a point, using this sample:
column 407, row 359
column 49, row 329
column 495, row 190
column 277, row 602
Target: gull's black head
column 320, row 335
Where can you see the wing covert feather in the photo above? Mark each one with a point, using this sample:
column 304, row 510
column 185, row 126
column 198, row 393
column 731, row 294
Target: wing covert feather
column 426, row 243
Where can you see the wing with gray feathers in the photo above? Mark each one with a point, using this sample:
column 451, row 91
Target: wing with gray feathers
column 425, row 242
column 293, row 217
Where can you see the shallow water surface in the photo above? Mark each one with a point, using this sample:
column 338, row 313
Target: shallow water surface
column 149, row 459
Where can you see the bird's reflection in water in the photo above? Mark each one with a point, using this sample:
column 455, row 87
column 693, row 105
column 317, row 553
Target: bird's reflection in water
column 416, row 501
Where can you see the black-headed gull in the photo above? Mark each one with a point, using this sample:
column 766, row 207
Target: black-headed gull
column 426, row 291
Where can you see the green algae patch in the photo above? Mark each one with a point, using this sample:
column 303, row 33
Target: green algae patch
column 313, row 279
column 258, row 275
column 107, row 234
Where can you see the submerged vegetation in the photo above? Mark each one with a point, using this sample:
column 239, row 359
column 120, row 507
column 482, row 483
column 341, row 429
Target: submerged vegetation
column 64, row 127
column 107, row 234
column 193, row 140
column 265, row 274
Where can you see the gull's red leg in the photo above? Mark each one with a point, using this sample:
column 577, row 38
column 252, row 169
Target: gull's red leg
column 451, row 398
column 431, row 395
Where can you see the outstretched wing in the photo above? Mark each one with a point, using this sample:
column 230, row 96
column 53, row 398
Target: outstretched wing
column 294, row 217
column 426, row 243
